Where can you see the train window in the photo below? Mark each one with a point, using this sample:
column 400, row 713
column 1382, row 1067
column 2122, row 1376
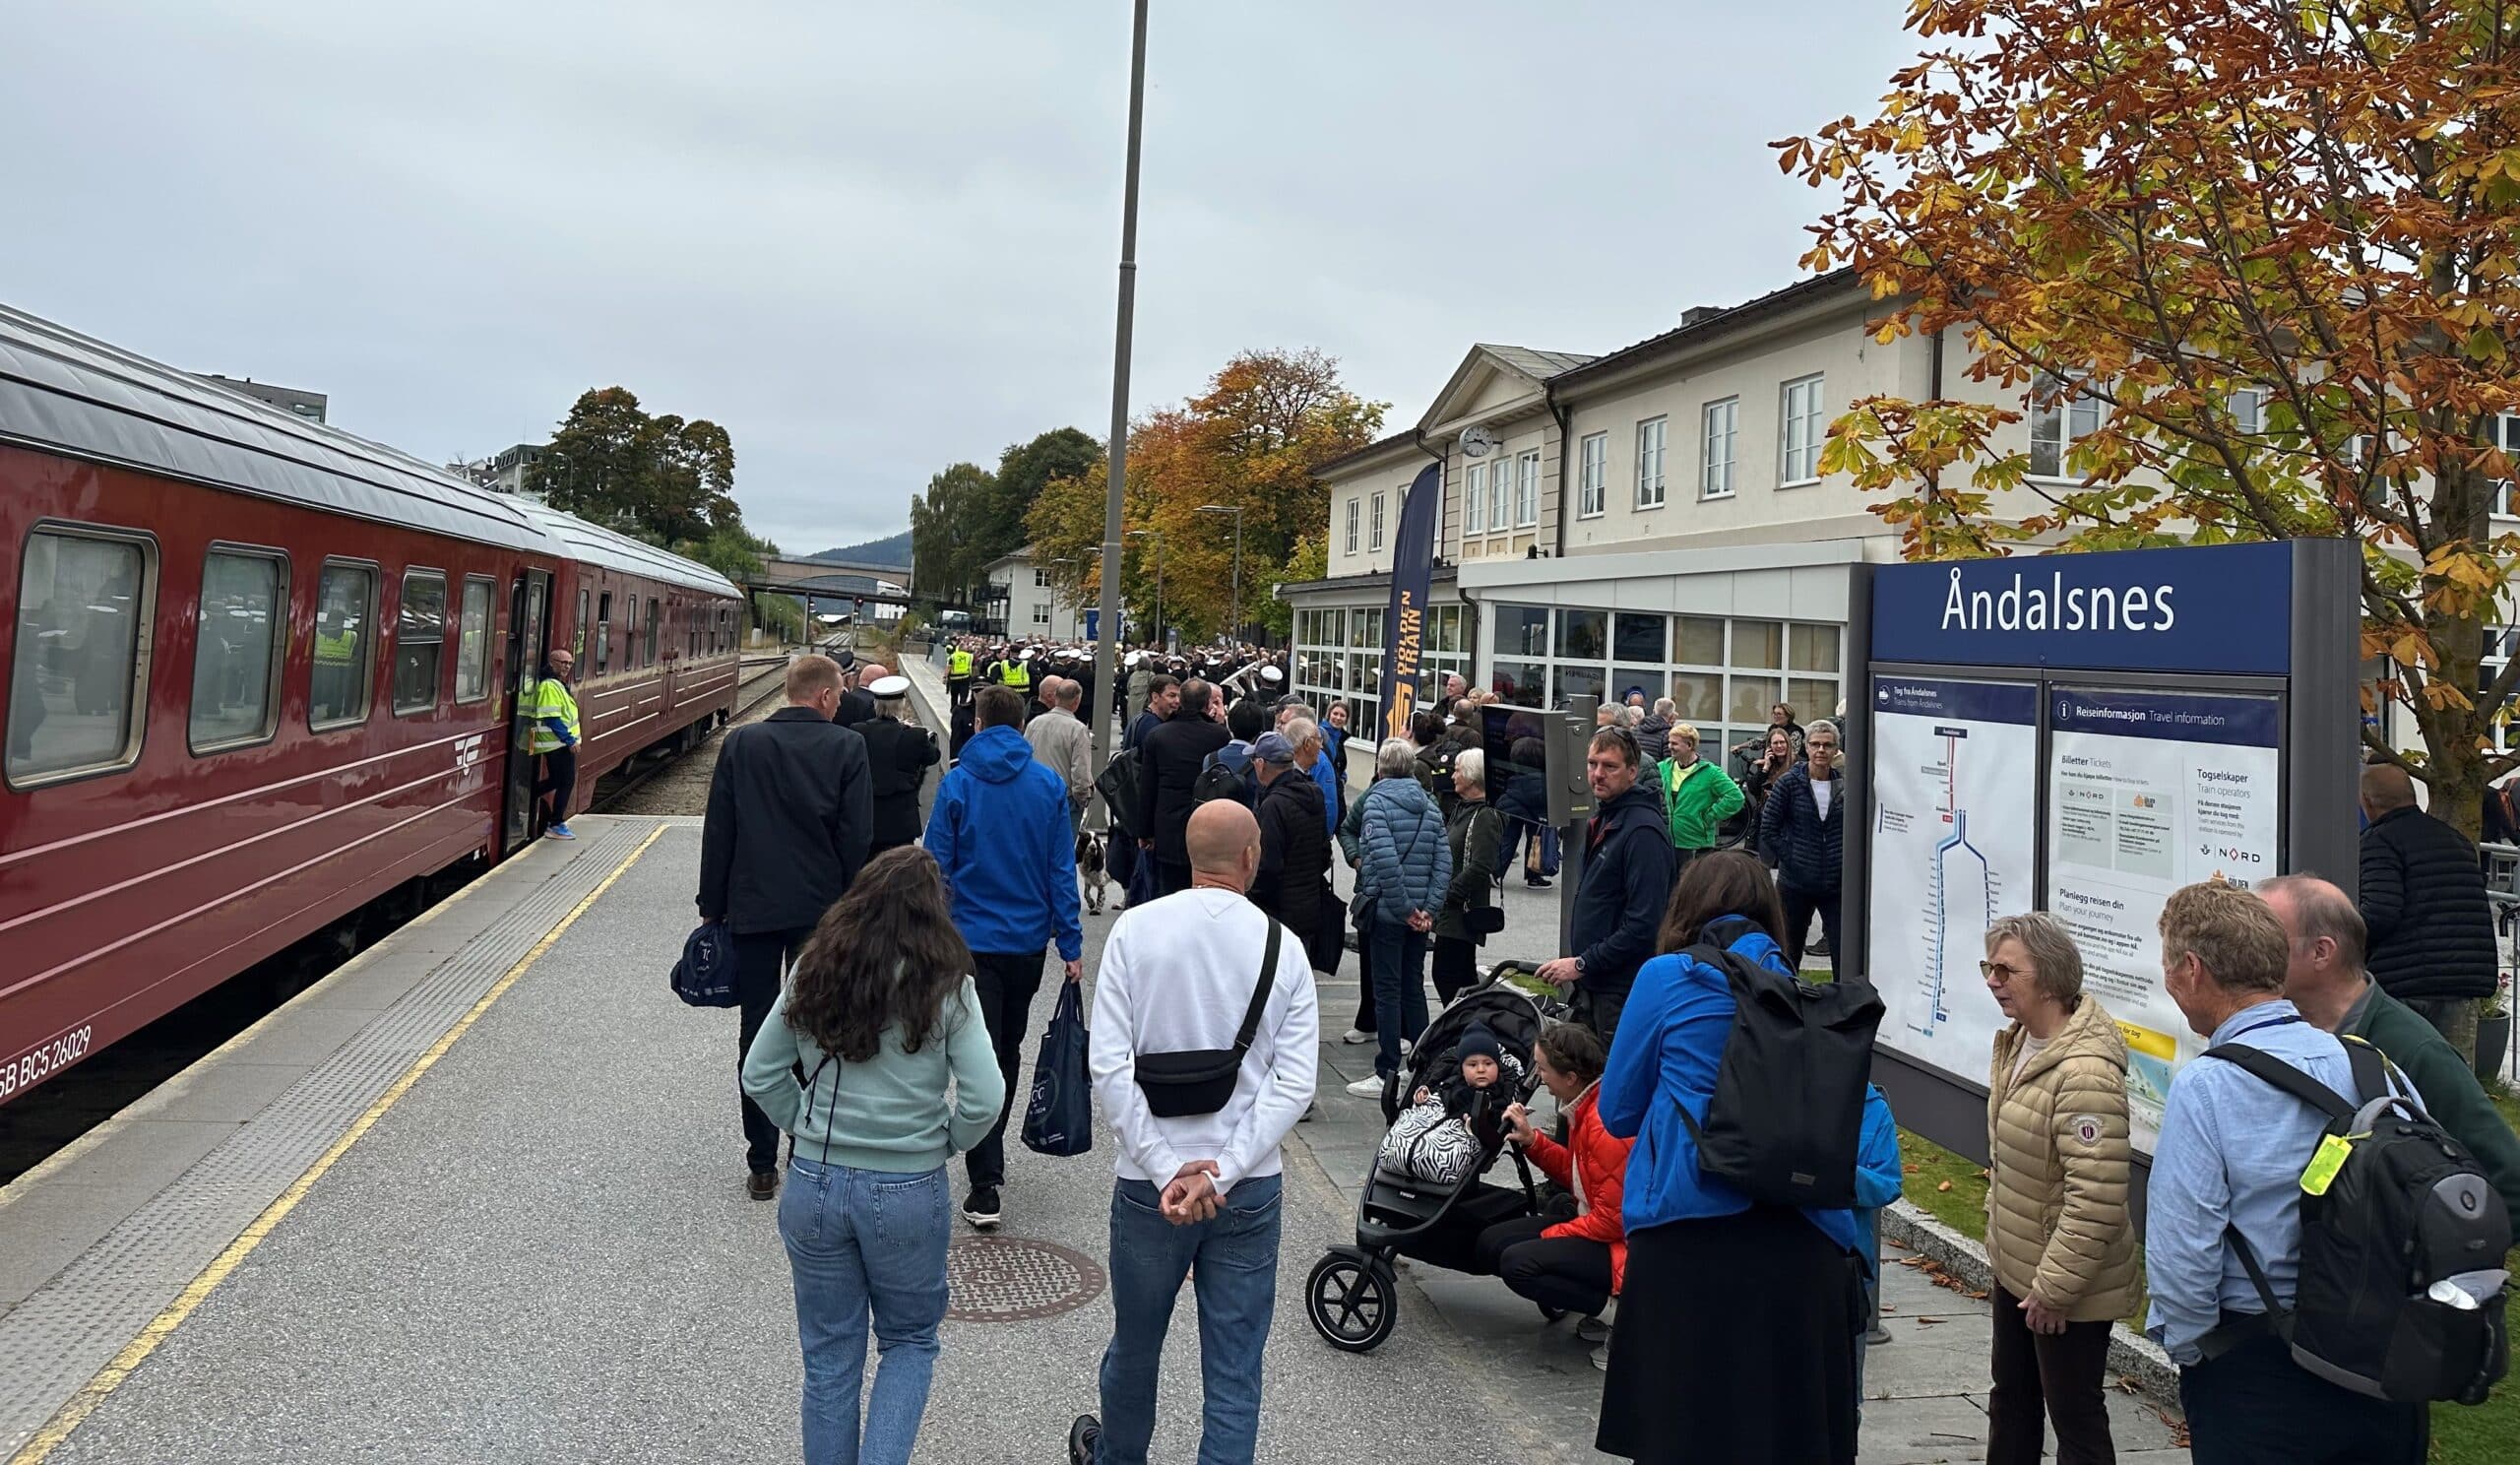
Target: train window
column 630, row 634
column 337, row 694
column 84, row 603
column 577, row 651
column 419, row 642
column 604, row 632
column 473, row 641
column 654, row 615
column 237, row 656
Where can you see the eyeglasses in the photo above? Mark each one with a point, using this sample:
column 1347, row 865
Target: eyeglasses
column 1990, row 970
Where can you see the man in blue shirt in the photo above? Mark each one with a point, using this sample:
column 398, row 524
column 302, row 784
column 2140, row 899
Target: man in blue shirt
column 2229, row 1163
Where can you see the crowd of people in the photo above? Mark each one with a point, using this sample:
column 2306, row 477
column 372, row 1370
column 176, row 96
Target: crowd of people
column 883, row 1000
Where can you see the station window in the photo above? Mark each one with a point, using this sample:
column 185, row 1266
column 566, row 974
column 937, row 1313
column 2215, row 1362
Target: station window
column 237, row 650
column 603, row 631
column 419, row 642
column 337, row 694
column 655, row 614
column 473, row 641
column 84, row 600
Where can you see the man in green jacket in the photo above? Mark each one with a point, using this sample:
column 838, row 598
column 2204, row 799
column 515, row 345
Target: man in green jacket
column 2326, row 980
column 1697, row 796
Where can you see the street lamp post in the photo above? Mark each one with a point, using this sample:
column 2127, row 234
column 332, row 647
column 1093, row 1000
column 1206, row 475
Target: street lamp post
column 1107, row 657
column 1236, row 511
column 1155, row 535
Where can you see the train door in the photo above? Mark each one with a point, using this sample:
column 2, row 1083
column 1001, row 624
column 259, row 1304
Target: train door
column 528, row 638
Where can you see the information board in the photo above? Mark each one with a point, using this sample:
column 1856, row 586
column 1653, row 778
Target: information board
column 2148, row 791
column 1954, row 846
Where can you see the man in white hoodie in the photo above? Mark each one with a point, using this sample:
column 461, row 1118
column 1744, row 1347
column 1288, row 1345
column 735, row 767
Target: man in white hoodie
column 1198, row 1192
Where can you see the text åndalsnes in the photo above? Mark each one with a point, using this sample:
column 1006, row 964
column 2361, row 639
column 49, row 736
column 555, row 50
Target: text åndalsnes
column 2056, row 606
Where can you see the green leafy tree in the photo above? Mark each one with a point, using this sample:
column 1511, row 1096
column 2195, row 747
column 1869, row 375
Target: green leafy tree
column 948, row 534
column 663, row 479
column 1023, row 471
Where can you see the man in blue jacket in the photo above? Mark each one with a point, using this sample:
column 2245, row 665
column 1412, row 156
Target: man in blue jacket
column 1627, row 872
column 1001, row 831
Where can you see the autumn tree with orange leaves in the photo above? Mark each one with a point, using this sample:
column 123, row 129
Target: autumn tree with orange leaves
column 2277, row 243
column 1250, row 440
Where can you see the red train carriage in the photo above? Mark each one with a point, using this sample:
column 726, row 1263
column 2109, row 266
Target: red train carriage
column 260, row 672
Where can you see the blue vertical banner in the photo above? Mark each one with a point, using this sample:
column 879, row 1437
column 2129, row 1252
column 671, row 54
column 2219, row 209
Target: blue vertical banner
column 1413, row 569
column 1092, row 622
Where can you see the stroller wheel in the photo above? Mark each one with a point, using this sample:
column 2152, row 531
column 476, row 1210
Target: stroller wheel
column 1353, row 1305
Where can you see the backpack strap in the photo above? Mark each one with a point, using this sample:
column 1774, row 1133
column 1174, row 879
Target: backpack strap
column 2372, row 1069
column 1704, row 953
column 2273, row 1071
column 1259, row 994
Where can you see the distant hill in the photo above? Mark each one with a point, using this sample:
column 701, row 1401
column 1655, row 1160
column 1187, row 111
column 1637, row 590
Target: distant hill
column 891, row 550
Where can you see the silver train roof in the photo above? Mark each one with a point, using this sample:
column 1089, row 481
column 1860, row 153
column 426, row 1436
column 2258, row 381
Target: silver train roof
column 597, row 544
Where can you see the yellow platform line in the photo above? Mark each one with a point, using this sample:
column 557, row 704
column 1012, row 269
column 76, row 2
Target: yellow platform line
column 97, row 1390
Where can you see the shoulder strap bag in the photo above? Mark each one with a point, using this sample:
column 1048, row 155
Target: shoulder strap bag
column 1201, row 1081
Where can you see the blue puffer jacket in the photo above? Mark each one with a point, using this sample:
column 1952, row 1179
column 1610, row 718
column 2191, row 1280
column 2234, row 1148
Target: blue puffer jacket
column 1806, row 845
column 1670, row 1045
column 1407, row 864
column 1001, row 831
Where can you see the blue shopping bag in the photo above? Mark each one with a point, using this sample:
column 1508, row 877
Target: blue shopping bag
column 1060, row 1120
column 706, row 974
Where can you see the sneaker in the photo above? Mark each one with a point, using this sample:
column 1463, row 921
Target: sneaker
column 559, row 831
column 1355, row 1037
column 1367, row 1088
column 1593, row 1330
column 1602, row 1357
column 980, row 1209
column 1084, row 1437
column 1407, row 1047
column 1536, row 882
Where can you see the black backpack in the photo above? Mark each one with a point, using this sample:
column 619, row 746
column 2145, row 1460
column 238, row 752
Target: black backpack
column 2398, row 1234
column 1220, row 778
column 1787, row 1116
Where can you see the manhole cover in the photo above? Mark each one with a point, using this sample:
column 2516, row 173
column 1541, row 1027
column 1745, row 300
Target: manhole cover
column 1008, row 1279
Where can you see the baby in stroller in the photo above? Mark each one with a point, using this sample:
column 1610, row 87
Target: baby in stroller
column 1454, row 1130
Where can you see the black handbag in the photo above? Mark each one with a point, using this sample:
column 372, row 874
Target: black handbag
column 1189, row 1085
column 1483, row 921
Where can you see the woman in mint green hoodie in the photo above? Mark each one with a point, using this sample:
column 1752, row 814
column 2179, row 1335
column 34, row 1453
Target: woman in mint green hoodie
column 875, row 1059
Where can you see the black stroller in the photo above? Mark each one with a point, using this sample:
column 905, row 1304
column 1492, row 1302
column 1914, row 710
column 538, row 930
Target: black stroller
column 1353, row 1293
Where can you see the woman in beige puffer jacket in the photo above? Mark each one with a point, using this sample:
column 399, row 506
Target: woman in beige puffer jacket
column 2057, row 1228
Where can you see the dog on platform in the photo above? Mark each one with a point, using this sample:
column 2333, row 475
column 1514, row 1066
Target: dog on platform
column 1088, row 867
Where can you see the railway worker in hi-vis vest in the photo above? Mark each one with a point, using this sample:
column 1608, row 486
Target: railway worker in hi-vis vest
column 556, row 739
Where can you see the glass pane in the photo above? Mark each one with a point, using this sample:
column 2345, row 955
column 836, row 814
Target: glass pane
column 577, row 651
column 1334, row 624
column 1568, row 682
column 1811, row 698
column 1521, row 683
column 240, row 595
column 77, row 645
column 1648, row 680
column 1700, row 695
column 1752, row 696
column 1701, row 641
column 1583, row 635
column 1758, row 643
column 1364, row 676
column 419, row 642
column 1812, row 647
column 337, row 692
column 1637, row 638
column 1364, row 628
column 1522, row 631
column 472, row 646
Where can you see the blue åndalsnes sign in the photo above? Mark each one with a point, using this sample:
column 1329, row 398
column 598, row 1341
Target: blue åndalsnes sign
column 2222, row 607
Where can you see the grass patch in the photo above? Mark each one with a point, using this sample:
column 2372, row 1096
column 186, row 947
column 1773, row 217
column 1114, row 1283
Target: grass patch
column 1950, row 1188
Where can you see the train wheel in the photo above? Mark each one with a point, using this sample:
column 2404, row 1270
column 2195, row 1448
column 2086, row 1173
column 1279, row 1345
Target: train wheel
column 1353, row 1305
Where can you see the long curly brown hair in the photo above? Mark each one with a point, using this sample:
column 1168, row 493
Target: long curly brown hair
column 885, row 953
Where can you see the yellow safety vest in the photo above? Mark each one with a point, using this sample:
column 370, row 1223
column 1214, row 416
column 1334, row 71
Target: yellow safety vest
column 552, row 699
column 343, row 648
column 959, row 664
column 1017, row 674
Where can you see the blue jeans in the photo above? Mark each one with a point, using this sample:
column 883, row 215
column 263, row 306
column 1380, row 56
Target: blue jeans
column 1233, row 1262
column 1399, row 990
column 861, row 1243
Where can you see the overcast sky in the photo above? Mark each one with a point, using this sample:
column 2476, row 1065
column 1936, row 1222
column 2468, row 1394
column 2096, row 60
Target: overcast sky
column 872, row 239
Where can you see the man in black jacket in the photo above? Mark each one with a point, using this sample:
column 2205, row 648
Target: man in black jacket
column 1295, row 838
column 857, row 704
column 1628, row 873
column 1168, row 762
column 899, row 753
column 790, row 814
column 2422, row 896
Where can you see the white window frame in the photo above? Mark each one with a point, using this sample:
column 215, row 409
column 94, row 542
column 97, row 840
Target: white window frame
column 1374, row 541
column 1500, row 495
column 1527, row 489
column 2062, row 414
column 1719, row 456
column 1653, row 441
column 1474, row 500
column 1594, row 472
column 1802, row 427
column 2248, row 410
column 1354, row 512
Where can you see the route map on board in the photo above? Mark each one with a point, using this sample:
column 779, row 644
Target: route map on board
column 1954, row 844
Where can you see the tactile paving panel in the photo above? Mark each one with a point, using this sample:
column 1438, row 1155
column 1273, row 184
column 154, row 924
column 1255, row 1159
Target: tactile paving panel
column 58, row 1338
column 1011, row 1279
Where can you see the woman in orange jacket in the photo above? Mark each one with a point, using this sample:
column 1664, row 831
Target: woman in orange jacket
column 1568, row 1266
